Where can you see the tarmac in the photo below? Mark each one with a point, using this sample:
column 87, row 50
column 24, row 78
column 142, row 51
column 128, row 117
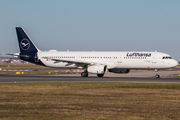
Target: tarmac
column 134, row 76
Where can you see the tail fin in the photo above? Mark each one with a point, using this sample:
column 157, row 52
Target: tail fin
column 25, row 43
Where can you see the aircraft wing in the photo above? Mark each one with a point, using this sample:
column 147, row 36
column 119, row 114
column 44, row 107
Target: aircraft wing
column 70, row 62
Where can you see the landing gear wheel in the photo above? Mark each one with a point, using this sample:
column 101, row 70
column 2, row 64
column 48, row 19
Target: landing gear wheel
column 157, row 76
column 84, row 74
column 100, row 75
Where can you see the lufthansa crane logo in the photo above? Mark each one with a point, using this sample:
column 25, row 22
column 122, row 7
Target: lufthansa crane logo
column 25, row 44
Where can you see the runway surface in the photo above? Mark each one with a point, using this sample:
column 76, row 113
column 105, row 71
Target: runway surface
column 77, row 78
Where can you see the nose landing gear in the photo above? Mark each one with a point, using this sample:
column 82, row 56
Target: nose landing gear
column 157, row 74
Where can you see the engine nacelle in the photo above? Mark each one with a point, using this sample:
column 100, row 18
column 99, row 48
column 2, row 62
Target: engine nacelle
column 97, row 69
column 120, row 71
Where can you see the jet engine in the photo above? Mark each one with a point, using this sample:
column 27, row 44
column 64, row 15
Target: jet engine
column 120, row 71
column 97, row 69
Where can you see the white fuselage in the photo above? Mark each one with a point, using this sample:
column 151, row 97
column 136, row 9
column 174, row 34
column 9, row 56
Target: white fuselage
column 92, row 62
column 124, row 60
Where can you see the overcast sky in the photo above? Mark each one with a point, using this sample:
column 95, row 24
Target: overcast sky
column 93, row 25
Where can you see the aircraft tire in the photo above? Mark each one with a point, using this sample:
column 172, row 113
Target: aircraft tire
column 84, row 74
column 157, row 76
column 100, row 75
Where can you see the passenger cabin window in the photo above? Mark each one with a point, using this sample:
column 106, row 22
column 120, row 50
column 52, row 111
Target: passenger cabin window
column 166, row 57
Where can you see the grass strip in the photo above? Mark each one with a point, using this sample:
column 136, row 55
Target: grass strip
column 90, row 100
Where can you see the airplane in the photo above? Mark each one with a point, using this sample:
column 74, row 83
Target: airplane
column 92, row 62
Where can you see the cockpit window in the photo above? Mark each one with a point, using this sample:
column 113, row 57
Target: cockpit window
column 167, row 57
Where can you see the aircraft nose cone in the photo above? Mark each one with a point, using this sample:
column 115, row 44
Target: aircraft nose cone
column 174, row 63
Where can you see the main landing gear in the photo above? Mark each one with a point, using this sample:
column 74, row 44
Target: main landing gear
column 157, row 75
column 84, row 74
column 100, row 75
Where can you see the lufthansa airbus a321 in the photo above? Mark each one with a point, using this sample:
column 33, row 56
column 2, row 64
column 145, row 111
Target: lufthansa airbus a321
column 92, row 62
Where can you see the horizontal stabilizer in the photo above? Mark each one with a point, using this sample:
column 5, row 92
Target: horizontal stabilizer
column 16, row 55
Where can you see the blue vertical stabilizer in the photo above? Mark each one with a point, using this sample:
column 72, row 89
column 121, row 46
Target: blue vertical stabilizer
column 28, row 51
column 25, row 43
